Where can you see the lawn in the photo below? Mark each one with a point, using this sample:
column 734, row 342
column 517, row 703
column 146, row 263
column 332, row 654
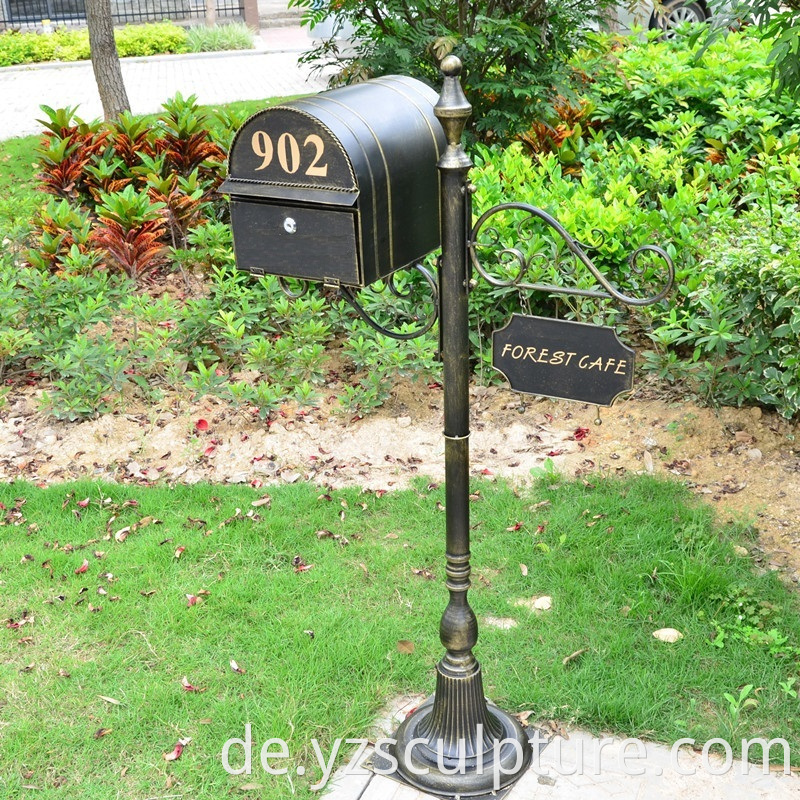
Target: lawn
column 114, row 594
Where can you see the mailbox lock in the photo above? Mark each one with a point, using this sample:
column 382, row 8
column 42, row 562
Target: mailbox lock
column 289, row 225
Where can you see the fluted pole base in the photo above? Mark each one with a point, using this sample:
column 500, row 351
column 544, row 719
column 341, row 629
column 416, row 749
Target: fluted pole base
column 457, row 743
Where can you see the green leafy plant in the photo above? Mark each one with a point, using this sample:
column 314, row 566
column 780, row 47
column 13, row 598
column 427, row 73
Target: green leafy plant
column 88, row 376
column 718, row 95
column 226, row 36
column 737, row 704
column 150, row 39
column 65, row 44
column 514, row 54
column 742, row 325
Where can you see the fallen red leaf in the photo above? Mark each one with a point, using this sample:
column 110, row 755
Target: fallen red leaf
column 188, row 686
column 177, row 750
column 83, row 503
column 83, row 567
column 201, row 425
column 515, row 527
column 179, row 551
column 299, row 564
column 555, row 452
column 209, row 450
column 580, row 434
column 192, row 600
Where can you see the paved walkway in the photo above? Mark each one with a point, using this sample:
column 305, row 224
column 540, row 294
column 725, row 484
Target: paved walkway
column 270, row 71
column 585, row 767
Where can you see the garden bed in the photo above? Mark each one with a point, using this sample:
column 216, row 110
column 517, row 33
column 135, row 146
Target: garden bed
column 745, row 462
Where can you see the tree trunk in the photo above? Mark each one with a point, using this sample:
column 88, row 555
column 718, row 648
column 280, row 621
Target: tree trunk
column 105, row 60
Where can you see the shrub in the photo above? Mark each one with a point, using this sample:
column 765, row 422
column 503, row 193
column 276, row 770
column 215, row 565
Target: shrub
column 228, row 36
column 25, row 48
column 739, row 333
column 625, row 196
column 150, row 39
column 719, row 97
column 514, row 54
column 69, row 44
column 146, row 182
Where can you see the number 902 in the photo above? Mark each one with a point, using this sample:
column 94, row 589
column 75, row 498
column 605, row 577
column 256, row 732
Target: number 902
column 288, row 152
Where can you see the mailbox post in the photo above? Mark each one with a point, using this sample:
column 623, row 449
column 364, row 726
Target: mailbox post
column 341, row 189
column 456, row 743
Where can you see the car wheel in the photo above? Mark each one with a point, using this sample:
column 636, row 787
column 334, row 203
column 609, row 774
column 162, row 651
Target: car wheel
column 675, row 13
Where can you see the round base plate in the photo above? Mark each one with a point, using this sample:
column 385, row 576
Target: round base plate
column 421, row 764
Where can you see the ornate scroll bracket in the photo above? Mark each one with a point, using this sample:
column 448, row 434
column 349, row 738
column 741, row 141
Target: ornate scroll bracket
column 425, row 323
column 525, row 261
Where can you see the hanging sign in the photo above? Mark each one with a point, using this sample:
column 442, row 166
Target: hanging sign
column 563, row 359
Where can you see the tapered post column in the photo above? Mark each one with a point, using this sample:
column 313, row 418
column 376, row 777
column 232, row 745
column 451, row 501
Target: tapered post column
column 456, row 743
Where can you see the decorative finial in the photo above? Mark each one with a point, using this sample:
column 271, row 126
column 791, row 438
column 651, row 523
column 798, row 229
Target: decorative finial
column 451, row 66
column 453, row 108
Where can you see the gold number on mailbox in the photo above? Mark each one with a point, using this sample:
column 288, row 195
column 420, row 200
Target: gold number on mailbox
column 320, row 170
column 289, row 153
column 262, row 147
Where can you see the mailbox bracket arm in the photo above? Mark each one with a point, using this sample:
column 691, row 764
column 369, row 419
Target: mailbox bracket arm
column 348, row 294
column 293, row 294
column 577, row 250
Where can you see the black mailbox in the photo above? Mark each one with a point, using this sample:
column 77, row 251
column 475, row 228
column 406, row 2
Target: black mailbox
column 340, row 187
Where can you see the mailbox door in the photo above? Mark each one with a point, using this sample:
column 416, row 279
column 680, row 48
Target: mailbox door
column 317, row 244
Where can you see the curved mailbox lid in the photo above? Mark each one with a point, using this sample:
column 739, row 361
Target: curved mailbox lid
column 285, row 153
column 394, row 141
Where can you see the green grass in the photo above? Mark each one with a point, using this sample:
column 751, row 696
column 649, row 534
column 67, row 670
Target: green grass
column 620, row 559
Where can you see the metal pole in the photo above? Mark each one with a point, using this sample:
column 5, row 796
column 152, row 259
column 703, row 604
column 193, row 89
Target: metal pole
column 456, row 743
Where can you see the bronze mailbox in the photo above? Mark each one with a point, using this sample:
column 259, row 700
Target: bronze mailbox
column 340, row 187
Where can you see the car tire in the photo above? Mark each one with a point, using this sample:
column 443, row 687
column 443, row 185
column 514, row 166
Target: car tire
column 677, row 13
